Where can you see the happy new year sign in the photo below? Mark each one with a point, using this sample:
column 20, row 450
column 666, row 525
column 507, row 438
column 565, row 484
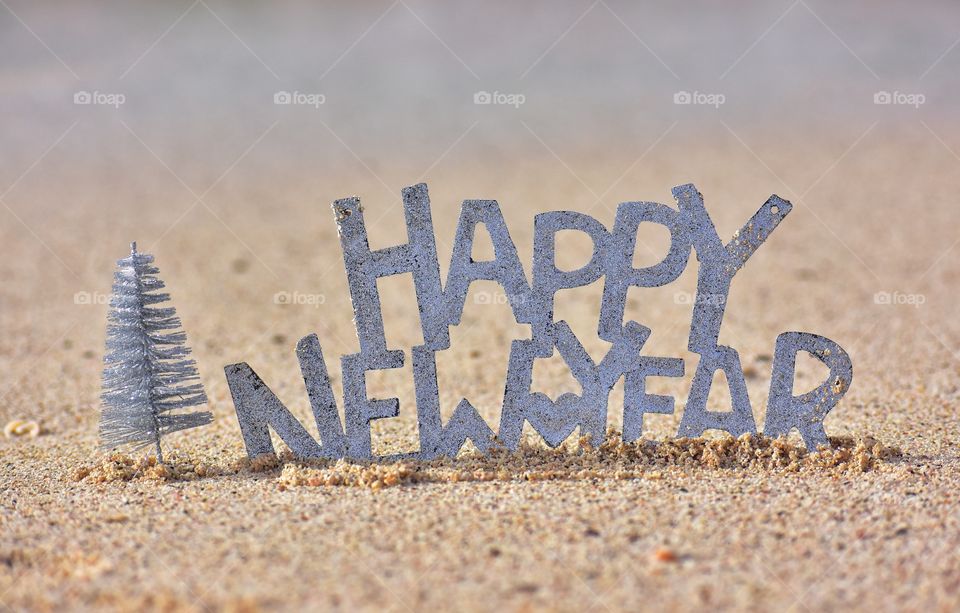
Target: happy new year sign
column 441, row 306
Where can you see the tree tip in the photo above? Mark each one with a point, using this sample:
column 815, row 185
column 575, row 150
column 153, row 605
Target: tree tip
column 133, row 248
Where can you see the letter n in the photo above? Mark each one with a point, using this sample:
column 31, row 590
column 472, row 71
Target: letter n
column 259, row 409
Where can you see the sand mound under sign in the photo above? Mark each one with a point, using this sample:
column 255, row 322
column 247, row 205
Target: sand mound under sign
column 573, row 461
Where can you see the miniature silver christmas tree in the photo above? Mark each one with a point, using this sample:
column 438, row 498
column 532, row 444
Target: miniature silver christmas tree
column 147, row 372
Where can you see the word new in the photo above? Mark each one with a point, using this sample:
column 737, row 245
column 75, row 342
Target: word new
column 441, row 306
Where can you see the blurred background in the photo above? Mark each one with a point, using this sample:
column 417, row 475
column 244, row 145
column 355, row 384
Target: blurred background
column 217, row 134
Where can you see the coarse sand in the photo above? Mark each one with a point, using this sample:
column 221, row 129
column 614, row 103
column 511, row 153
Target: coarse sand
column 714, row 522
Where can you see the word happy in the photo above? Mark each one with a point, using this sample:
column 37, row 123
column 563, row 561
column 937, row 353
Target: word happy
column 691, row 228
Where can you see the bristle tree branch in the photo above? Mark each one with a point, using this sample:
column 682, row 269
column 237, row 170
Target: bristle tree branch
column 148, row 374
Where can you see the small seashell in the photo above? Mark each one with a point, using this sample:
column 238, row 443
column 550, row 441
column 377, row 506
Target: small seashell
column 22, row 427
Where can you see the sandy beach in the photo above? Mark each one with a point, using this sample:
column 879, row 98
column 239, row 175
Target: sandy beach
column 231, row 192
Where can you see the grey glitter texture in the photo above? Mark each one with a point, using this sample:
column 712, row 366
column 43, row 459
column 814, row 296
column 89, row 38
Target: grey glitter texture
column 532, row 303
column 805, row 413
